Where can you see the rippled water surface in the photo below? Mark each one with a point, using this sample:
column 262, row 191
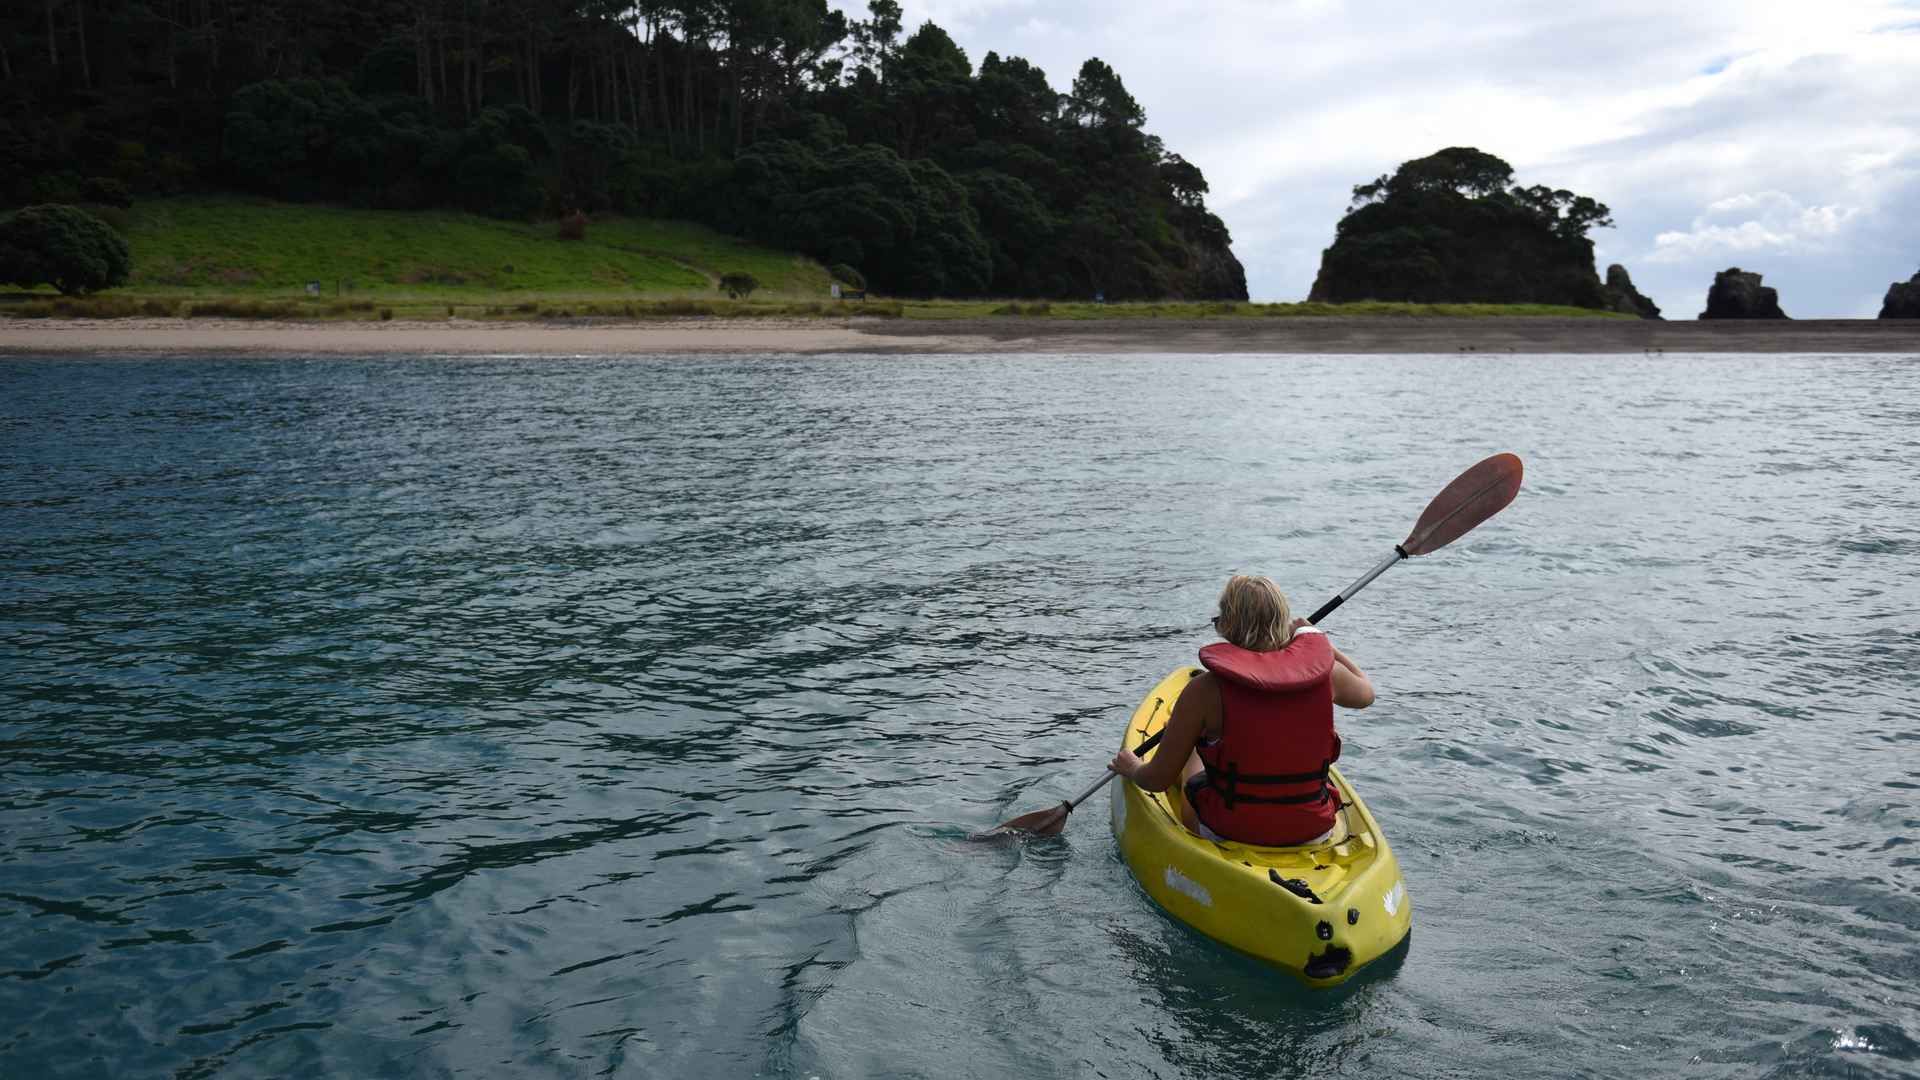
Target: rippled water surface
column 629, row 718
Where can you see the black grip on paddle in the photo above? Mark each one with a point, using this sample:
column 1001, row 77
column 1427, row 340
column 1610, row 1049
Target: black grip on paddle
column 1326, row 609
column 1152, row 741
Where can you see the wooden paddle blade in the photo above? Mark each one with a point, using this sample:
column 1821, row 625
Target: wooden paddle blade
column 1047, row 822
column 1473, row 497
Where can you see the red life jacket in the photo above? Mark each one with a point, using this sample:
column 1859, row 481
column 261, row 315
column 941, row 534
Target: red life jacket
column 1266, row 780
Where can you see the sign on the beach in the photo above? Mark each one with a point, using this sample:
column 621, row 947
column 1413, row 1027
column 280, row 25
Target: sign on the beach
column 313, row 288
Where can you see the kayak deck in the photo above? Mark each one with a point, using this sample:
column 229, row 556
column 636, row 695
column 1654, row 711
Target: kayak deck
column 1321, row 911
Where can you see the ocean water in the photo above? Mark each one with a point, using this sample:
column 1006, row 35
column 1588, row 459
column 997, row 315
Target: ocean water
column 630, row 717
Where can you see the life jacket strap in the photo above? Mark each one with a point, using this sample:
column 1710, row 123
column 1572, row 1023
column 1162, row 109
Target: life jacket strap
column 1286, row 778
column 1229, row 785
column 1312, row 797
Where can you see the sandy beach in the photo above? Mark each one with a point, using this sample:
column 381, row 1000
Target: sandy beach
column 1327, row 336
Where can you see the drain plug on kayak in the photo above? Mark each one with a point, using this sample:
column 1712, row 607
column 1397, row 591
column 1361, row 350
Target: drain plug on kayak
column 1328, row 964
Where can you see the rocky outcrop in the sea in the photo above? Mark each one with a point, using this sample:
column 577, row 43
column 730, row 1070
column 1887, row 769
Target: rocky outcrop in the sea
column 1624, row 298
column 1903, row 300
column 1738, row 294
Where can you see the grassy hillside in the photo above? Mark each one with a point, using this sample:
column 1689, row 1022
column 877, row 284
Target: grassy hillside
column 252, row 248
column 250, row 258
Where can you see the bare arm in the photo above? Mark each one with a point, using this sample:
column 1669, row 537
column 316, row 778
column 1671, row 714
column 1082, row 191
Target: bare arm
column 1195, row 706
column 1351, row 687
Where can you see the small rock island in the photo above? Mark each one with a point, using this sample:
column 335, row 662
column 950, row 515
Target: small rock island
column 1903, row 300
column 1738, row 294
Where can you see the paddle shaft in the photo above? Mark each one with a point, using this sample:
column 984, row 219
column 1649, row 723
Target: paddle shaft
column 1366, row 579
column 1325, row 610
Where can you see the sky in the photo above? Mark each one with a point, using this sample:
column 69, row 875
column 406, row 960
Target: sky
column 1779, row 136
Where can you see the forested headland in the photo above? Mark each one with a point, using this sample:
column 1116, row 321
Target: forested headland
column 888, row 156
column 1453, row 227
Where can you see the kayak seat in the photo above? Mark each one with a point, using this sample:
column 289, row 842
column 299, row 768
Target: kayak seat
column 1341, row 832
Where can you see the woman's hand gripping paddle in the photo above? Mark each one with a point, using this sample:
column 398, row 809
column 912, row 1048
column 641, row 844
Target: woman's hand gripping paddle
column 1473, row 497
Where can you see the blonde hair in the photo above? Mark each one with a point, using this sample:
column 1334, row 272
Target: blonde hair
column 1254, row 614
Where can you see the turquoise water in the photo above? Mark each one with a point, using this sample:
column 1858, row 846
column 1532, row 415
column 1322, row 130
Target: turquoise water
column 555, row 718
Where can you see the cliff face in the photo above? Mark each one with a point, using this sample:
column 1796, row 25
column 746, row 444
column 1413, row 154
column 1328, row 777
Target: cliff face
column 1218, row 275
column 1200, row 264
column 1624, row 298
column 1903, row 300
column 1738, row 294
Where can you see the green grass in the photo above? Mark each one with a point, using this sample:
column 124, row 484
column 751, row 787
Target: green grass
column 482, row 305
column 233, row 257
column 494, row 308
column 243, row 247
column 1226, row 309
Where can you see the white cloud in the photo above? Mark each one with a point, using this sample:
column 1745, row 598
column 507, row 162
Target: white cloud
column 1767, row 222
column 1036, row 27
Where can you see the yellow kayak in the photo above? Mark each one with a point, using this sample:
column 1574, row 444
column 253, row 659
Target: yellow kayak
column 1321, row 911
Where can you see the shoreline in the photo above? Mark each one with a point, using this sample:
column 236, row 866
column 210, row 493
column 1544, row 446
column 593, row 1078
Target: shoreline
column 1335, row 335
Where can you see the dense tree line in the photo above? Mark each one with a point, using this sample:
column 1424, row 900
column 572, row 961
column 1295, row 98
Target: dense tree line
column 1454, row 228
column 779, row 120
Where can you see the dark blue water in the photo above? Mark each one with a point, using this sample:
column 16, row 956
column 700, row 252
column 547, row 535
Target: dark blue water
column 629, row 718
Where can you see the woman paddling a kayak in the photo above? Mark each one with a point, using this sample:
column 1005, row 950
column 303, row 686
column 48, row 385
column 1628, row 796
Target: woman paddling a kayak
column 1252, row 738
column 1321, row 909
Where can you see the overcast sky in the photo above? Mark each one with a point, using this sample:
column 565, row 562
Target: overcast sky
column 1781, row 136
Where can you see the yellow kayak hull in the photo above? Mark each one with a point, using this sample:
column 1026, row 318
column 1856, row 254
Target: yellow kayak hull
column 1322, row 911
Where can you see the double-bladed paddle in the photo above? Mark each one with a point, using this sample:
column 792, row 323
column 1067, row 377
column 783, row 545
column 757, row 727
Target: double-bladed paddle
column 1473, row 497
